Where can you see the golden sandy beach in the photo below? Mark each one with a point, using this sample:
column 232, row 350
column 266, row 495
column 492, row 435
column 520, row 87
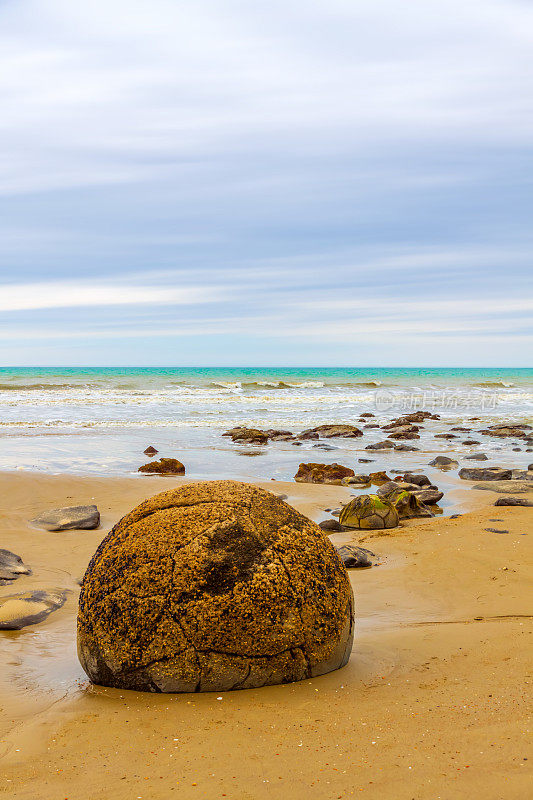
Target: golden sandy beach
column 433, row 704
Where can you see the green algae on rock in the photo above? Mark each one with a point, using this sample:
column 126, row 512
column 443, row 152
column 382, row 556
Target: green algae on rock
column 213, row 586
column 369, row 512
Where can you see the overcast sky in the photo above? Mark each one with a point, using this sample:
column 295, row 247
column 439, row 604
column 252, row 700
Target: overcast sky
column 292, row 182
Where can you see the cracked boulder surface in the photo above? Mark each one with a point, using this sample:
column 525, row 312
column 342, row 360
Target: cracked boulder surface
column 213, row 586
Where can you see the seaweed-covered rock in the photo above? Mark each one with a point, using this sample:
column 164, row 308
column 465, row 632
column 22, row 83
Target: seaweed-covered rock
column 407, row 504
column 244, row 435
column 212, row 586
column 332, row 431
column 369, row 512
column 323, row 473
column 165, row 466
column 378, row 478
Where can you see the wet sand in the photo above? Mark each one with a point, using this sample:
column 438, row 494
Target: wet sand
column 433, row 703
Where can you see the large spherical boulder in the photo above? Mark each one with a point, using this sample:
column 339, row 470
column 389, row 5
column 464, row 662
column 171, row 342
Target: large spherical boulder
column 212, row 586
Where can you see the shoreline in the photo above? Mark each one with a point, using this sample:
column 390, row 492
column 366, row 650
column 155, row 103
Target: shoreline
column 418, row 651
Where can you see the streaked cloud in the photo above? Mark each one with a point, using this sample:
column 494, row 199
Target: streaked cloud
column 273, row 183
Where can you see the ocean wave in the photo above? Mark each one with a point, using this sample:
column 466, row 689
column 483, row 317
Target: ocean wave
column 494, row 384
column 267, row 385
column 32, row 387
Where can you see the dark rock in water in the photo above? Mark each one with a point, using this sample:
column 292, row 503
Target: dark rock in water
column 296, row 444
column 445, row 436
column 357, row 480
column 322, row 473
column 380, row 446
column 366, row 460
column 150, row 451
column 325, row 447
column 517, row 449
column 247, row 593
column 443, row 461
column 332, row 431
column 330, row 525
column 461, row 430
column 513, row 501
column 84, row 518
column 279, row 436
column 11, row 567
column 477, row 457
column 485, row 474
column 503, row 431
column 308, row 435
column 247, row 435
column 370, row 427
column 403, row 435
column 384, row 489
column 471, row 441
column 429, row 496
column 378, row 478
column 495, row 530
column 530, row 467
column 405, row 448
column 165, row 466
column 401, row 427
column 355, row 557
column 28, row 608
column 367, row 414
column 420, row 480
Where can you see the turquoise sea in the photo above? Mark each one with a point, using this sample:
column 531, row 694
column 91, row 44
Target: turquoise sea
column 98, row 420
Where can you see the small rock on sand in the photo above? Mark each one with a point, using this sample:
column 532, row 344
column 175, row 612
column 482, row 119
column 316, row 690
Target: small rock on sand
column 28, row 608
column 331, row 525
column 513, row 501
column 83, row 518
column 485, row 474
column 355, row 557
column 506, row 487
column 11, row 567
